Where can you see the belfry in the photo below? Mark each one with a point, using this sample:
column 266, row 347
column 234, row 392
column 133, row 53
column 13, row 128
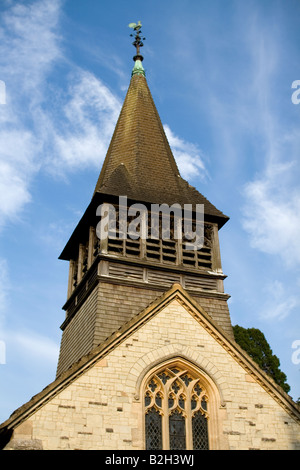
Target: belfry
column 148, row 359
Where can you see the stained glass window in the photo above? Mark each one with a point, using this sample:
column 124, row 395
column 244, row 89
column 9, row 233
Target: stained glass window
column 177, row 431
column 199, row 427
column 176, row 402
column 153, row 430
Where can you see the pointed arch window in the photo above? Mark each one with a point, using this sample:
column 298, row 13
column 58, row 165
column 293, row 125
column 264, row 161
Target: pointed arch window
column 176, row 410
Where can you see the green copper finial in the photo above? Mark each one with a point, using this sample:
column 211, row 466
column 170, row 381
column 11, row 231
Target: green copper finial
column 138, row 68
column 137, row 43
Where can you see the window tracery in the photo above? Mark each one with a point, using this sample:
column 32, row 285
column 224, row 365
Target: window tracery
column 176, row 410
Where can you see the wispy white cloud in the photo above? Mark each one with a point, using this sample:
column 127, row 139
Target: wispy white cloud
column 28, row 48
column 4, row 286
column 189, row 158
column 89, row 117
column 272, row 197
column 25, row 343
column 70, row 134
column 34, row 345
column 30, row 44
column 280, row 303
column 271, row 216
column 17, row 167
column 36, row 134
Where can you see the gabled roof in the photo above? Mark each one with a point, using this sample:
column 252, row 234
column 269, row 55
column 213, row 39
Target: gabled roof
column 175, row 293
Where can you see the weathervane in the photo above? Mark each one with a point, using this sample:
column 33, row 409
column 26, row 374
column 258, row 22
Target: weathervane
column 138, row 40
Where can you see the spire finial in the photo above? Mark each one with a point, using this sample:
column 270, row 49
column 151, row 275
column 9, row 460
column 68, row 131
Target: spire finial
column 137, row 43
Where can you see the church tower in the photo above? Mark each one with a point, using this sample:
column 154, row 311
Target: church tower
column 148, row 359
column 111, row 280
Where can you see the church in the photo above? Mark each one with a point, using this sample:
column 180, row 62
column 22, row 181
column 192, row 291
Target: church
column 148, row 359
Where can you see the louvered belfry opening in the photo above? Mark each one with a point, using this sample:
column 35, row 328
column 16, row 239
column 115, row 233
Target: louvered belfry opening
column 158, row 248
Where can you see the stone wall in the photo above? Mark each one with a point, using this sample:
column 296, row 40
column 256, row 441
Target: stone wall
column 103, row 408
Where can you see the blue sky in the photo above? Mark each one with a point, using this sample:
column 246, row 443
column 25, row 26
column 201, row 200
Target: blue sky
column 221, row 75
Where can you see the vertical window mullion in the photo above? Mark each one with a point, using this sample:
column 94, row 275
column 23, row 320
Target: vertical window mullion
column 165, row 419
column 188, row 423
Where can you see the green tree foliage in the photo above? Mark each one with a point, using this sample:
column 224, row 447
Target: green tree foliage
column 255, row 344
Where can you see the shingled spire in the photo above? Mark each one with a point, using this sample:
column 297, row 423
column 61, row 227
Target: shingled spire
column 139, row 162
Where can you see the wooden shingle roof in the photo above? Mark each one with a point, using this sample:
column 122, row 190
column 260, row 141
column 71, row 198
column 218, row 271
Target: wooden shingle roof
column 139, row 162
